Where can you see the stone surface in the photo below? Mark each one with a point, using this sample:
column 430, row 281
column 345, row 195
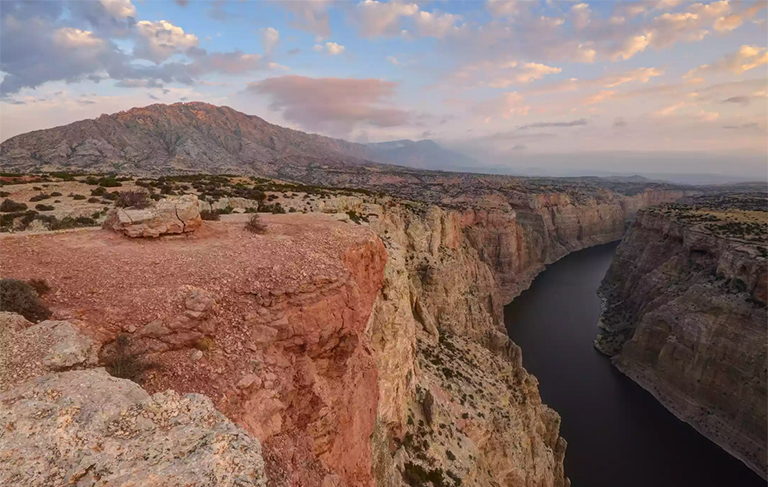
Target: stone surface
column 172, row 215
column 42, row 348
column 85, row 428
column 684, row 316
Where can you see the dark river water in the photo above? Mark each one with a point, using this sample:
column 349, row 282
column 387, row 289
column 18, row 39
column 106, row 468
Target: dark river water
column 618, row 434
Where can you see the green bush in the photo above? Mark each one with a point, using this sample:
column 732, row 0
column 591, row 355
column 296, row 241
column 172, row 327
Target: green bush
column 9, row 206
column 19, row 297
column 132, row 199
column 78, row 197
column 42, row 207
column 98, row 191
column 55, row 193
column 209, row 215
column 109, row 182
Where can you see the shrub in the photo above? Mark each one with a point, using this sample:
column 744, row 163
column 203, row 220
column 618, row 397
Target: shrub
column 133, row 199
column 225, row 211
column 19, row 297
column 98, row 191
column 9, row 206
column 125, row 362
column 204, row 344
column 55, row 193
column 209, row 215
column 113, row 196
column 40, row 286
column 42, row 207
column 255, row 225
column 91, row 180
column 4, row 194
column 109, row 182
column 78, row 197
column 93, row 199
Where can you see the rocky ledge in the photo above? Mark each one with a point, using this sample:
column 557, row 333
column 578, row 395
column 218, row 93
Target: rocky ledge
column 685, row 317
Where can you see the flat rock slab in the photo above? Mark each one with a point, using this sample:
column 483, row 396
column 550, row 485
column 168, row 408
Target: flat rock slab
column 85, row 428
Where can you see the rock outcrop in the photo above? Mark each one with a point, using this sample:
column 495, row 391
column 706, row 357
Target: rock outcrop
column 167, row 216
column 31, row 350
column 86, row 427
column 685, row 317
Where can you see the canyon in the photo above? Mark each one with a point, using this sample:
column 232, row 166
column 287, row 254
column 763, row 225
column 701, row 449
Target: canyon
column 357, row 354
column 684, row 315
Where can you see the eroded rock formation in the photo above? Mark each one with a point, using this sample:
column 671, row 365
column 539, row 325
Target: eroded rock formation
column 167, row 216
column 684, row 316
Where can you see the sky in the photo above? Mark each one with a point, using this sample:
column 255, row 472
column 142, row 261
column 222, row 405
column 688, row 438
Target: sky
column 666, row 86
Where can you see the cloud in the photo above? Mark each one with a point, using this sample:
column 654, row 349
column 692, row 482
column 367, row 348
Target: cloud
column 501, row 73
column 310, row 16
column 376, row 19
column 669, row 110
column 746, row 58
column 598, row 97
column 436, row 24
column 619, row 123
column 269, row 39
column 518, row 147
column 336, row 104
column 505, row 105
column 573, row 123
column 393, row 60
column 160, row 40
column 745, row 126
column 332, row 48
column 741, row 100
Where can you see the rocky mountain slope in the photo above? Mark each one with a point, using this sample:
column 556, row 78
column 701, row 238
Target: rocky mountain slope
column 685, row 316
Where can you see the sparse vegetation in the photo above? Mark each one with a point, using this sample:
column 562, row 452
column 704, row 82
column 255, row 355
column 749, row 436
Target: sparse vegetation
column 133, row 199
column 8, row 206
column 210, row 215
column 204, row 344
column 20, row 297
column 125, row 362
column 42, row 207
column 40, row 286
column 255, row 225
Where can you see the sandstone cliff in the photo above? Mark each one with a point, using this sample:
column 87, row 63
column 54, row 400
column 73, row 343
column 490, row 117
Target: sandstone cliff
column 684, row 316
column 319, row 337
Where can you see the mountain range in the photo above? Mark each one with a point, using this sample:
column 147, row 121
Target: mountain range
column 199, row 137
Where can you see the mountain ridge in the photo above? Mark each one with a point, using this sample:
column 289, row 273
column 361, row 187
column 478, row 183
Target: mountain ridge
column 192, row 137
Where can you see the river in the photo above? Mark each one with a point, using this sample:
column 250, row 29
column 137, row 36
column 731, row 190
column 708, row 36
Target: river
column 618, row 434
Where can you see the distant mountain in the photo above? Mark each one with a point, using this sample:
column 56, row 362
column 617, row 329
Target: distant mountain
column 422, row 154
column 183, row 137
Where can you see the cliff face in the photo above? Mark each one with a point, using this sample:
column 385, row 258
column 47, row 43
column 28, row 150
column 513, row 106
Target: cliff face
column 438, row 332
column 684, row 316
column 353, row 359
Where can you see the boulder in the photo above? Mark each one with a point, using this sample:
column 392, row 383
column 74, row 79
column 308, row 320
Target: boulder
column 86, row 428
column 168, row 216
column 42, row 348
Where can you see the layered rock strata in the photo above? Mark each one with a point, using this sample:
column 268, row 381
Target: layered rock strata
column 336, row 351
column 684, row 316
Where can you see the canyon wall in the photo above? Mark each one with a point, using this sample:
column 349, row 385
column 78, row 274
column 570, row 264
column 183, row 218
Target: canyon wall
column 354, row 359
column 684, row 316
column 440, row 340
